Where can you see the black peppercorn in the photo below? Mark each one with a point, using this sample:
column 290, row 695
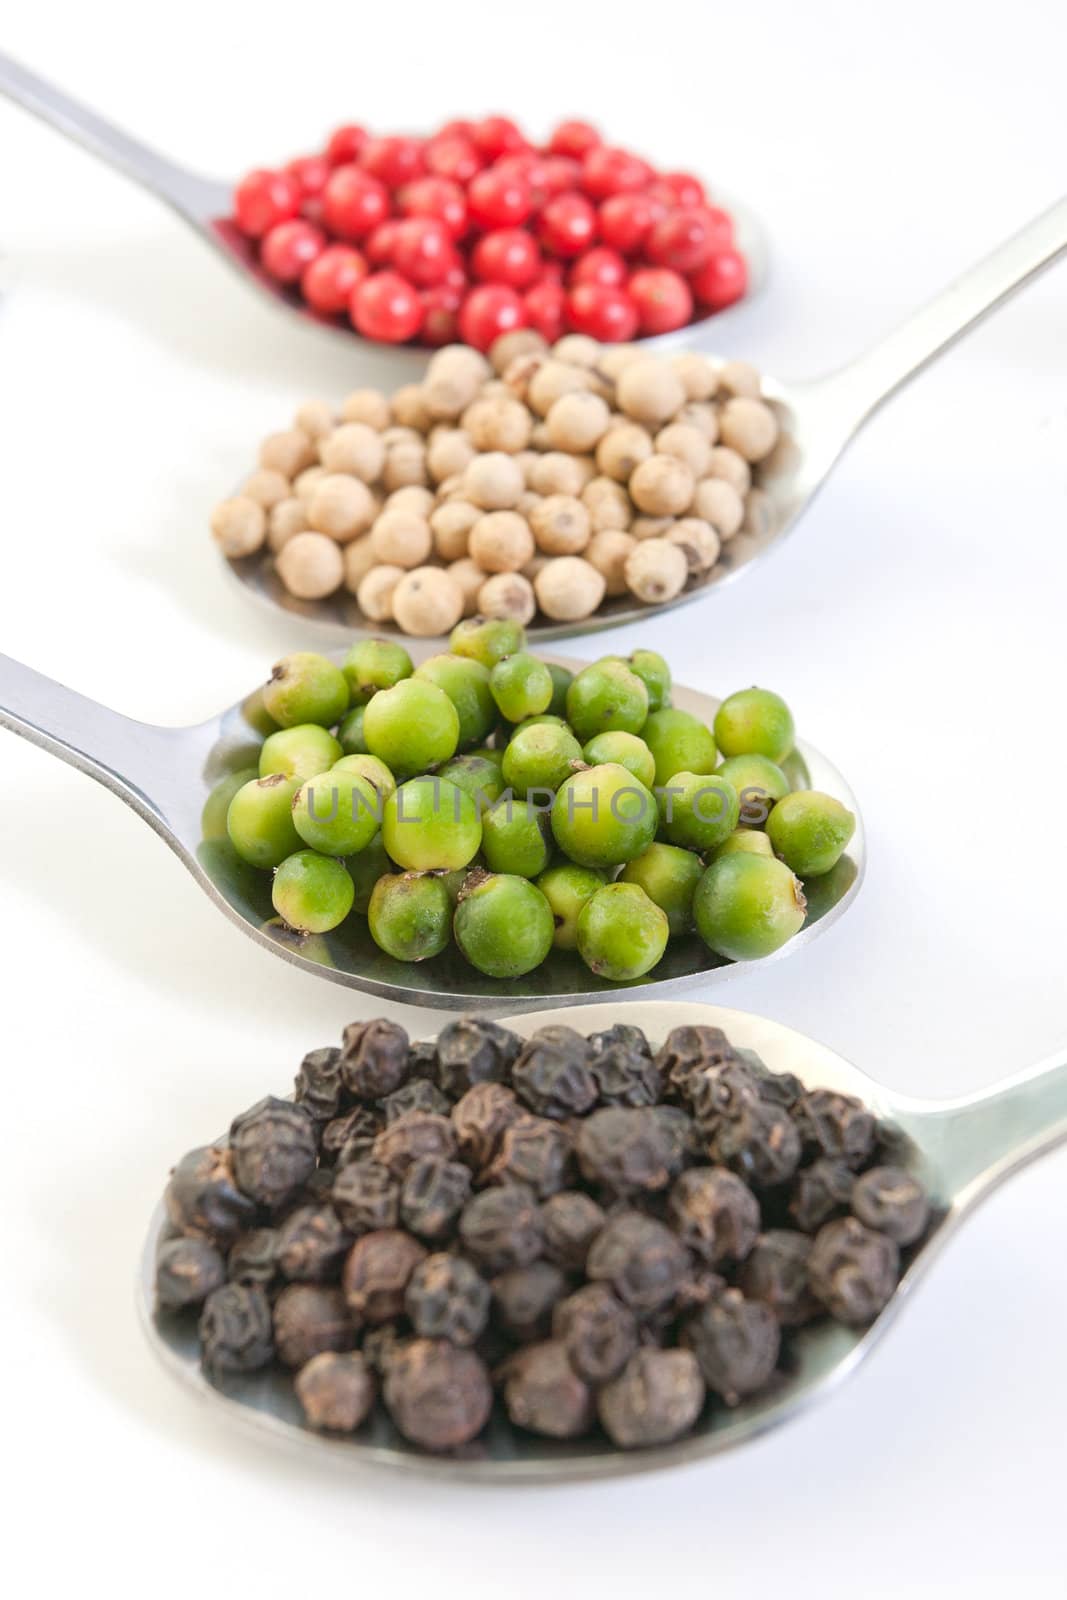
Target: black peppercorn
column 620, row 1035
column 202, row 1197
column 776, row 1273
column 835, row 1125
column 760, row 1144
column 382, row 1345
column 682, row 1134
column 351, row 1137
column 626, row 1151
column 470, row 1051
column 480, row 1119
column 551, row 1075
column 736, row 1342
column 893, row 1202
column 544, row 1394
column 434, row 1193
column 366, row 1197
column 598, row 1331
column 719, row 1092
column 524, row 1298
column 780, row 1088
column 418, row 1095
column 658, row 1395
column 376, row 1275
column 625, row 1075
column 501, row 1227
column 235, row 1329
column 336, row 1391
column 253, row 1259
column 308, row 1319
column 422, row 1059
column 312, row 1244
column 714, row 1214
column 689, row 1049
column 642, row 1260
column 318, row 1084
column 534, row 1151
column 820, row 1192
column 374, row 1058
column 439, row 1396
column 447, row 1298
column 274, row 1150
column 187, row 1271
column 571, row 1222
column 411, row 1137
column 853, row 1270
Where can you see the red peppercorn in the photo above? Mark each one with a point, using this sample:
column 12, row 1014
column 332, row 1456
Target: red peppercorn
column 440, row 321
column 264, row 199
column 721, row 280
column 662, row 298
column 310, row 173
column 545, row 304
column 458, row 128
column 606, row 170
column 498, row 199
column 436, row 197
column 509, row 255
column 489, row 311
column 386, row 307
column 289, row 248
column 345, row 144
column 683, row 240
column 379, row 245
column 452, row 156
column 498, row 136
column 423, row 250
column 394, row 160
column 683, row 188
column 353, row 202
column 602, row 312
column 328, row 282
column 568, row 224
column 553, row 175
column 600, row 265
column 626, row 220
column 573, row 138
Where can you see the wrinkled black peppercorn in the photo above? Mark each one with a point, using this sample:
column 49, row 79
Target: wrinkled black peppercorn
column 418, row 1095
column 715, row 1214
column 893, row 1202
column 835, row 1125
column 434, row 1193
column 439, row 1396
column 374, row 1058
column 411, row 1137
column 820, row 1193
column 471, row 1051
column 187, row 1271
column 552, row 1074
column 480, row 1119
column 658, row 1395
column 311, row 1244
column 534, row 1151
column 376, row 1274
column 620, row 1034
column 776, row 1273
column 571, row 1221
column 544, row 1394
column 274, row 1150
column 524, row 1299
column 853, row 1270
column 308, row 1319
column 203, row 1198
column 351, row 1137
column 447, row 1298
column 235, row 1329
column 736, row 1342
column 625, row 1151
column 366, row 1197
column 687, row 1050
column 760, row 1144
column 641, row 1259
column 336, row 1391
column 501, row 1228
column 597, row 1330
column 626, row 1075
column 253, row 1259
column 319, row 1085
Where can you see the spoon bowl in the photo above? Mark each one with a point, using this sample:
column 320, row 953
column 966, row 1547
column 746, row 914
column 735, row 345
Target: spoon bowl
column 166, row 775
column 961, row 1150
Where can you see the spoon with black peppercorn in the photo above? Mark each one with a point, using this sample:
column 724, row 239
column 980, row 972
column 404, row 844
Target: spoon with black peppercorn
column 957, row 1151
column 206, row 205
column 167, row 774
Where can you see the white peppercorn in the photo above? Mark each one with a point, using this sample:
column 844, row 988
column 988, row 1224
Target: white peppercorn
column 451, row 525
column 507, row 594
column 651, row 527
column 369, row 406
column 698, row 541
column 622, row 450
column 410, row 407
column 608, row 504
column 560, row 525
column 727, row 464
column 400, row 433
column 501, row 541
column 662, row 486
column 569, row 588
column 375, row 593
column 739, row 378
column 528, row 503
column 267, row 487
column 717, row 502
column 449, row 452
column 615, row 358
column 558, row 473
column 608, row 551
column 656, row 571
column 341, row 507
column 288, row 452
column 551, row 381
column 493, row 482
column 405, row 462
column 470, row 577
column 239, row 526
column 576, row 422
column 497, row 423
column 519, row 342
column 359, row 559
column 649, row 391
column 700, row 414
column 578, row 349
column 427, row 602
column 749, row 427
column 412, row 497
column 353, row 447
column 311, row 566
column 519, row 371
column 401, row 538
column 305, row 482
column 698, row 377
column 688, row 444
column 287, row 518
column 453, row 378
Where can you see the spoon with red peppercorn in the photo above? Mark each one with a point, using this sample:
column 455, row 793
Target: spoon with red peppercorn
column 808, row 1299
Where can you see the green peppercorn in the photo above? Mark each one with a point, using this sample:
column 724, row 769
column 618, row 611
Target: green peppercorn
column 410, row 915
column 521, row 686
column 260, row 821
column 312, row 892
column 306, row 688
column 430, row 824
column 337, row 813
column 466, row 683
column 755, row 722
column 749, row 840
column 606, row 696
column 217, row 805
column 622, row 934
column 299, row 752
column 698, row 810
column 567, row 887
column 679, row 742
column 350, row 732
column 503, row 925
column 747, row 906
column 655, row 674
column 626, row 750
column 515, row 838
column 367, row 766
column 540, row 755
column 603, row 817
column 477, row 773
column 411, row 727
column 669, row 877
column 374, row 664
column 562, row 678
column 365, row 869
column 487, row 639
column 810, row 831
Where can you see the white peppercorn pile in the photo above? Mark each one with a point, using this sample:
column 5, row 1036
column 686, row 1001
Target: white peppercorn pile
column 584, row 1232
column 538, row 480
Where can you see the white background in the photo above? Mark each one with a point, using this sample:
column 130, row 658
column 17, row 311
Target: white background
column 914, row 621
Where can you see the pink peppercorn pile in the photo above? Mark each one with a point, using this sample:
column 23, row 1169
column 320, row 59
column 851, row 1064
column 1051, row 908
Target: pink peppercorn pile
column 475, row 231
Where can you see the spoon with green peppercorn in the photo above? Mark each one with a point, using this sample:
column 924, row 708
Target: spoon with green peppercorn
column 915, row 1169
column 181, row 781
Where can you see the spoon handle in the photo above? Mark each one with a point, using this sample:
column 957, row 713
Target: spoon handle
column 860, row 388
column 132, row 759
column 195, row 197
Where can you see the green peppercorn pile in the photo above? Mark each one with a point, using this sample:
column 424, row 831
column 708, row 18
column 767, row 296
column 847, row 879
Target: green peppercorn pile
column 583, row 1233
column 500, row 804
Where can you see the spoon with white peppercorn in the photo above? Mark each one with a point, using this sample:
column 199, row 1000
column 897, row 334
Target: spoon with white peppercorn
column 575, row 488
column 935, row 1161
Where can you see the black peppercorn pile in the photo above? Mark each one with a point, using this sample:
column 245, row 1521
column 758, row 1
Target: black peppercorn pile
column 594, row 1231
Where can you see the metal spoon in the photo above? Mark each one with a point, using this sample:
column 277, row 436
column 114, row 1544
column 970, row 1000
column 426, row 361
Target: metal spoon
column 962, row 1149
column 818, row 420
column 206, row 205
column 166, row 774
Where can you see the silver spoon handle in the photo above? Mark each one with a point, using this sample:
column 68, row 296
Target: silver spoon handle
column 132, row 759
column 858, row 389
column 192, row 195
